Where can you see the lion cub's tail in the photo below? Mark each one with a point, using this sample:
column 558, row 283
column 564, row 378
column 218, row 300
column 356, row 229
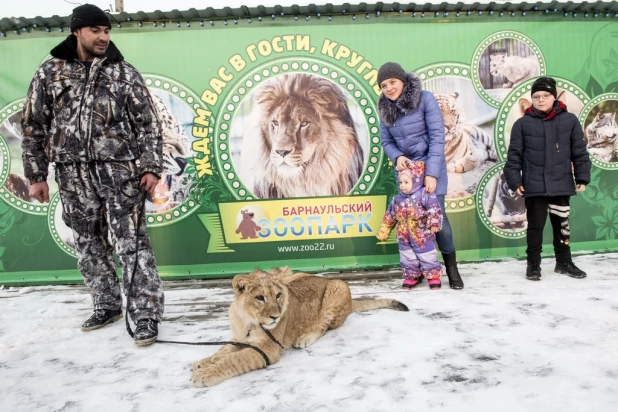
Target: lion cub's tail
column 365, row 305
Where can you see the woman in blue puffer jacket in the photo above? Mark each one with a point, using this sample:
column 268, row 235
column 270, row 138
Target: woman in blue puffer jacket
column 412, row 129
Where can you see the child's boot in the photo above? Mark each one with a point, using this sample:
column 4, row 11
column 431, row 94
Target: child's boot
column 433, row 277
column 412, row 275
column 434, row 283
column 410, row 283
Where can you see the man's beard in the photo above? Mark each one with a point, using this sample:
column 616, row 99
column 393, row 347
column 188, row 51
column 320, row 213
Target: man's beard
column 92, row 52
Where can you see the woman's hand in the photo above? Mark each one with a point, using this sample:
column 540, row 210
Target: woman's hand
column 434, row 229
column 430, row 184
column 402, row 163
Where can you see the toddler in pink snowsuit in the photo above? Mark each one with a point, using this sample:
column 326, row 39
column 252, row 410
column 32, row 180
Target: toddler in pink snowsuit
column 418, row 217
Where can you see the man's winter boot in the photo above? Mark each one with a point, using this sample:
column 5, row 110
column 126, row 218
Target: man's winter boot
column 450, row 263
column 533, row 270
column 570, row 269
column 100, row 318
column 146, row 332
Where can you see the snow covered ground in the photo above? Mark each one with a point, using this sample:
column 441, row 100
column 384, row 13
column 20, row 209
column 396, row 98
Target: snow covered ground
column 502, row 344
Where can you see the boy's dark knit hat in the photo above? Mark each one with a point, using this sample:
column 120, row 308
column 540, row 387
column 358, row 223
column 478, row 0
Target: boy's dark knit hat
column 88, row 15
column 391, row 70
column 546, row 84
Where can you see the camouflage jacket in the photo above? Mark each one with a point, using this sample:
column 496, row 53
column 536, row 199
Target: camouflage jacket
column 71, row 117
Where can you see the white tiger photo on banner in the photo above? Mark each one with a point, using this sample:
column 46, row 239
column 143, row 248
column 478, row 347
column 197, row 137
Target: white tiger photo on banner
column 504, row 65
column 469, row 145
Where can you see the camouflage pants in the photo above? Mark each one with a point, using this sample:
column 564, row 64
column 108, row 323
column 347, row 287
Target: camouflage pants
column 94, row 207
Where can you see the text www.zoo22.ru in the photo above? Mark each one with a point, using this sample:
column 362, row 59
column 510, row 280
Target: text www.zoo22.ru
column 307, row 248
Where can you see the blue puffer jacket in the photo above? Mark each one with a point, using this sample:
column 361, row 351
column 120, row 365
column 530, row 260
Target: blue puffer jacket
column 547, row 154
column 413, row 127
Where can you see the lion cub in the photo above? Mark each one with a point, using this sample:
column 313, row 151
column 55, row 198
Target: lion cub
column 297, row 309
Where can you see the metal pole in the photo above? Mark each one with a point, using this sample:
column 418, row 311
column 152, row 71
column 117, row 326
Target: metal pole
column 119, row 6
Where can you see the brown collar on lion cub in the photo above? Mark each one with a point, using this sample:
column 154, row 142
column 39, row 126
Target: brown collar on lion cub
column 297, row 308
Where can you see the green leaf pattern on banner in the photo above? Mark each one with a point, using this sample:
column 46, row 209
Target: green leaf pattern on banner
column 210, row 189
column 607, row 225
column 612, row 87
column 584, row 74
column 7, row 218
column 593, row 88
column 605, row 196
column 385, row 182
column 611, row 64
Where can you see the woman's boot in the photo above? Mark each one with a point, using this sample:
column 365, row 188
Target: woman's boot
column 454, row 279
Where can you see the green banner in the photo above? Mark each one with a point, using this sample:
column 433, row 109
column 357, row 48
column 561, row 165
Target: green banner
column 272, row 143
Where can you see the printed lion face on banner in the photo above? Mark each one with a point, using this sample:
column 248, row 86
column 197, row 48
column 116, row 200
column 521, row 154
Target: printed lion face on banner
column 300, row 140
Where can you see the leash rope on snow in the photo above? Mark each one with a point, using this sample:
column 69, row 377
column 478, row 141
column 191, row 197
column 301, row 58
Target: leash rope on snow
column 142, row 204
column 239, row 344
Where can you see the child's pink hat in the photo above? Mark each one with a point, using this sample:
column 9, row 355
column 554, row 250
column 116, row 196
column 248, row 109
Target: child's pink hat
column 406, row 172
column 415, row 170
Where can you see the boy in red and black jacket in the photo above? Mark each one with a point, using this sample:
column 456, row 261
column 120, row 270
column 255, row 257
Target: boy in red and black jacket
column 548, row 163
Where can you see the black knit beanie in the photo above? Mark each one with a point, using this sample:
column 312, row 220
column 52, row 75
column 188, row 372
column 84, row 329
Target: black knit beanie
column 546, row 84
column 391, row 70
column 88, row 15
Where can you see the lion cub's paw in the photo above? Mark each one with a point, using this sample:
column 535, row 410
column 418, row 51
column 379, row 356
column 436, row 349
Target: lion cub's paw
column 205, row 377
column 202, row 364
column 306, row 340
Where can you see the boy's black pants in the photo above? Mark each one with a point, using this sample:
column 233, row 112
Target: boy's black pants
column 536, row 211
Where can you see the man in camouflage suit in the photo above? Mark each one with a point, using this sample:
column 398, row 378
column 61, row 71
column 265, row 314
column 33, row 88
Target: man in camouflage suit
column 90, row 112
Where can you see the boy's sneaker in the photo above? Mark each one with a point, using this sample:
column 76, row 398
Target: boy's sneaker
column 410, row 283
column 100, row 318
column 434, row 283
column 533, row 271
column 146, row 332
column 570, row 269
